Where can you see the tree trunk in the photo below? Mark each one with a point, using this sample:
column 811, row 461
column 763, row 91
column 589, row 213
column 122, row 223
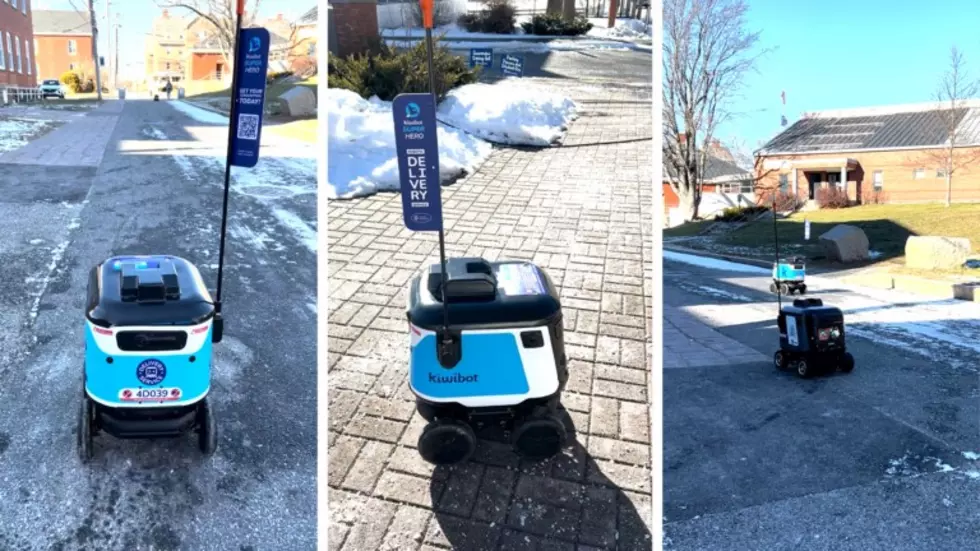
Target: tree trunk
column 688, row 202
column 949, row 188
column 568, row 10
column 554, row 6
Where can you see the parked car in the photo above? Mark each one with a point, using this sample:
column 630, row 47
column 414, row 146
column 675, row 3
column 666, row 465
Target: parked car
column 52, row 88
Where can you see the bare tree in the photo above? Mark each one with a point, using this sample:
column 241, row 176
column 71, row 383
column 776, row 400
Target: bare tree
column 707, row 51
column 222, row 16
column 954, row 89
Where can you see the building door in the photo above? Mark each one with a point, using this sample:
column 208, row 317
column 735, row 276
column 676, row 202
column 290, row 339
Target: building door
column 815, row 180
column 218, row 69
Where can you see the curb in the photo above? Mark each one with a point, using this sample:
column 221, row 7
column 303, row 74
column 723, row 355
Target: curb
column 898, row 282
column 633, row 45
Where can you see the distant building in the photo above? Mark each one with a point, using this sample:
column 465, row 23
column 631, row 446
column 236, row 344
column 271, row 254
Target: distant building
column 17, row 68
column 189, row 48
column 725, row 185
column 887, row 154
column 63, row 40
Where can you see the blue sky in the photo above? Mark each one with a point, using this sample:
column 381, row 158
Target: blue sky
column 829, row 54
column 136, row 17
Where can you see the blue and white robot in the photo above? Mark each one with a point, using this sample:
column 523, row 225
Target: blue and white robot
column 789, row 277
column 150, row 323
column 493, row 353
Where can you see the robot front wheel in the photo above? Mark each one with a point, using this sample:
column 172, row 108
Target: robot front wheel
column 207, row 428
column 539, row 436
column 86, row 430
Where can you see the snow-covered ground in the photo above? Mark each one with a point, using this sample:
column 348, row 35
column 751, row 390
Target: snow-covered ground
column 361, row 133
column 599, row 38
column 625, row 28
column 15, row 133
column 506, row 113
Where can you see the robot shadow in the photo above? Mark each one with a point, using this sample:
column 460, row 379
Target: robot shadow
column 499, row 501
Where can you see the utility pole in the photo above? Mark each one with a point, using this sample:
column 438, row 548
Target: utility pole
column 115, row 61
column 95, row 49
column 108, row 26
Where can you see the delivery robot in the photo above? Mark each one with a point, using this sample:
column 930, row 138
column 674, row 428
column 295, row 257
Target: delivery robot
column 789, row 277
column 812, row 339
column 494, row 353
column 150, row 323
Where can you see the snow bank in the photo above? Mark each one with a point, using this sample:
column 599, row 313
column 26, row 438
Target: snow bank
column 527, row 46
column 625, row 28
column 448, row 31
column 361, row 156
column 510, row 112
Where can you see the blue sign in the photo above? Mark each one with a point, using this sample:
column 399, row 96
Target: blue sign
column 151, row 372
column 512, row 65
column 251, row 64
column 482, row 57
column 418, row 161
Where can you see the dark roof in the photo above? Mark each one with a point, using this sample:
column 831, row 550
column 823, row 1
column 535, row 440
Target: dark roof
column 871, row 131
column 715, row 169
column 62, row 22
column 310, row 17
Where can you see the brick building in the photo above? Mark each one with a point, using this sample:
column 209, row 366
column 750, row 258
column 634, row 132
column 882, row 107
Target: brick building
column 166, row 45
column 353, row 24
column 725, row 185
column 63, row 40
column 892, row 154
column 17, row 68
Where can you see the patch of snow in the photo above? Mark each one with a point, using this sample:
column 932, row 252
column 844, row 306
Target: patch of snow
column 361, row 147
column 874, row 254
column 713, row 263
column 975, row 475
column 305, row 234
column 509, row 112
column 199, row 114
column 972, row 456
column 625, row 28
column 16, row 133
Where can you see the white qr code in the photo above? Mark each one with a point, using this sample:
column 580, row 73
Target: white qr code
column 248, row 127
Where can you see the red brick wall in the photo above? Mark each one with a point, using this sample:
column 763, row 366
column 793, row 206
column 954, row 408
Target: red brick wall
column 53, row 58
column 20, row 28
column 205, row 66
column 671, row 200
column 897, row 168
column 356, row 24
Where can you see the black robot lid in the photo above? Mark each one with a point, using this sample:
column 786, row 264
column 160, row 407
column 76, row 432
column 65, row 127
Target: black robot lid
column 484, row 295
column 147, row 290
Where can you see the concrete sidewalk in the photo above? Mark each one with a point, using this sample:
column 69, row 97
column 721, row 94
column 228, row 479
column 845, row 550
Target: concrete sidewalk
column 689, row 342
column 583, row 213
column 80, row 142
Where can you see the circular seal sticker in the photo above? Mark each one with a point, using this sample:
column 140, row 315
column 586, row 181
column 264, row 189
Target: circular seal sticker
column 151, row 372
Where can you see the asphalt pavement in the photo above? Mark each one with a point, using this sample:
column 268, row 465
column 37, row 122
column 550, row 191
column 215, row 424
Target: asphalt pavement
column 885, row 457
column 156, row 188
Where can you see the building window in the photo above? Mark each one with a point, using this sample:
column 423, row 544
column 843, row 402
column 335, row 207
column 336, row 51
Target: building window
column 311, row 49
column 940, row 173
column 3, row 59
column 72, row 47
column 13, row 4
column 919, row 174
column 20, row 60
column 71, row 66
column 27, row 56
column 23, row 7
column 10, row 54
column 878, row 179
column 168, row 66
column 783, row 183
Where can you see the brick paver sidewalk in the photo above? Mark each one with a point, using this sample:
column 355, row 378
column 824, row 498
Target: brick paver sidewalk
column 690, row 342
column 81, row 141
column 583, row 213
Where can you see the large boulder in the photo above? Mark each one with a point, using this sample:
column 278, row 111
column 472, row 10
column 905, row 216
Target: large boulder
column 300, row 101
column 844, row 243
column 936, row 253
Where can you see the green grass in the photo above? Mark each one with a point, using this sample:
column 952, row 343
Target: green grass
column 305, row 130
column 887, row 227
column 272, row 91
column 687, row 230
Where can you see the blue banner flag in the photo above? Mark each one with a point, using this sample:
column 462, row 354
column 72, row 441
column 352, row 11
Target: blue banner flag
column 251, row 65
column 418, row 161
